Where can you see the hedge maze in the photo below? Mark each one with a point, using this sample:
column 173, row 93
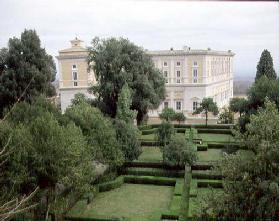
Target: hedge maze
column 149, row 190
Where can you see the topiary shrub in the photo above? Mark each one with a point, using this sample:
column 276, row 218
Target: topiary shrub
column 179, row 152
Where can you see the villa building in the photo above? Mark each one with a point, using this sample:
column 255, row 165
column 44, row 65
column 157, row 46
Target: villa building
column 190, row 75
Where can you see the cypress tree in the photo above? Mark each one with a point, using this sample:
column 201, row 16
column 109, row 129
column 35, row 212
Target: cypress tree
column 265, row 66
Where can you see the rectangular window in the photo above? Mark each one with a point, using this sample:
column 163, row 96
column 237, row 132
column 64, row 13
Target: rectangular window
column 165, row 74
column 74, row 67
column 165, row 64
column 195, row 75
column 75, row 78
column 195, row 63
column 178, row 74
column 195, row 105
column 178, row 105
column 166, row 104
column 178, row 63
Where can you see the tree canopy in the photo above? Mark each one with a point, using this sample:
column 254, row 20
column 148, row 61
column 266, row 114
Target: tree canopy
column 119, row 61
column 26, row 70
column 251, row 190
column 265, row 66
column 207, row 105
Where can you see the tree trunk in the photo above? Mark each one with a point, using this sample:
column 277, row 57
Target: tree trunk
column 206, row 118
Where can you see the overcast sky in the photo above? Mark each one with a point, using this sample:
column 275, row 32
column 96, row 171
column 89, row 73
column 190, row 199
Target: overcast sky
column 245, row 28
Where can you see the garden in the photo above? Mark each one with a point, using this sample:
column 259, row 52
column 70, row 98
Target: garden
column 149, row 189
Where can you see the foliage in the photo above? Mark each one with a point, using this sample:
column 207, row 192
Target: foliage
column 179, row 152
column 179, row 116
column 118, row 61
column 226, row 117
column 124, row 104
column 251, row 190
column 100, row 133
column 26, row 70
column 79, row 98
column 164, row 133
column 127, row 135
column 167, row 114
column 238, row 105
column 207, row 105
column 47, row 154
column 265, row 66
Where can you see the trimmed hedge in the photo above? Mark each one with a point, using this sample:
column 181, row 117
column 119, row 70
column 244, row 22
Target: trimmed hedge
column 94, row 218
column 213, row 126
column 223, row 145
column 150, row 131
column 206, row 175
column 180, row 130
column 111, row 184
column 201, row 166
column 215, row 131
column 158, row 172
column 202, row 147
column 145, row 127
column 210, row 183
column 160, row 181
column 149, row 143
column 153, row 165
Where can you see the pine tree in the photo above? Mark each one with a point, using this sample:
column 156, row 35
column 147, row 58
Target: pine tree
column 265, row 66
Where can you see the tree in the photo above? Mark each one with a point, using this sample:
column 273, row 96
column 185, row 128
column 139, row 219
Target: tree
column 47, row 154
column 127, row 135
column 207, row 105
column 164, row 133
column 118, row 61
column 179, row 117
column 251, row 190
column 26, row 70
column 226, row 117
column 99, row 131
column 124, row 104
column 179, row 152
column 238, row 105
column 167, row 114
column 265, row 66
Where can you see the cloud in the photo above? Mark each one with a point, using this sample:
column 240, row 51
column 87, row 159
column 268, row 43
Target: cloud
column 246, row 28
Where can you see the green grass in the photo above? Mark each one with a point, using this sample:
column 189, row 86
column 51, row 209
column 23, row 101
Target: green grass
column 210, row 155
column 216, row 137
column 130, row 200
column 150, row 154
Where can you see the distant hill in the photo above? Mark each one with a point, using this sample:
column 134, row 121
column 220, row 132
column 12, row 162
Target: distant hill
column 242, row 84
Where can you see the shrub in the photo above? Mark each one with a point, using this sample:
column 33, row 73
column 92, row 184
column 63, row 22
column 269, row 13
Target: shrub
column 111, row 184
column 179, row 117
column 160, row 181
column 154, row 172
column 127, row 136
column 179, row 152
column 164, row 133
column 167, row 114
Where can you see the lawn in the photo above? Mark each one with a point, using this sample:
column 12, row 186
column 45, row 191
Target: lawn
column 151, row 154
column 148, row 137
column 216, row 137
column 130, row 200
column 210, row 155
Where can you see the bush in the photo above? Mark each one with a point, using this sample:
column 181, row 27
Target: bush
column 127, row 137
column 179, row 152
column 164, row 133
column 111, row 184
column 167, row 114
column 160, row 181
